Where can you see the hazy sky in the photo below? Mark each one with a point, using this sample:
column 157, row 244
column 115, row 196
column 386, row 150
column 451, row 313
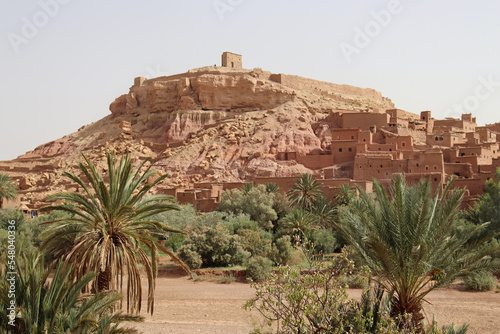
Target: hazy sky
column 64, row 61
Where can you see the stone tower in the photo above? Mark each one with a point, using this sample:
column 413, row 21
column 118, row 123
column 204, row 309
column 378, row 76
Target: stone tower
column 231, row 60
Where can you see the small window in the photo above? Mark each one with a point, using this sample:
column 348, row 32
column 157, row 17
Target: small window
column 426, row 167
column 435, row 167
column 350, row 149
column 352, row 137
column 390, row 150
column 381, row 166
column 436, row 138
column 359, row 166
column 364, row 139
column 404, row 144
column 435, row 179
column 417, row 164
column 340, row 149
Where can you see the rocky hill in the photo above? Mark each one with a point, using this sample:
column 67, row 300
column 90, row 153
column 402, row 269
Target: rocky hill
column 211, row 123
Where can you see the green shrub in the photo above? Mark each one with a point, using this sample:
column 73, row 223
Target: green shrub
column 255, row 202
column 483, row 281
column 214, row 246
column 325, row 241
column 190, row 256
column 259, row 269
column 174, row 241
column 297, row 301
column 283, row 250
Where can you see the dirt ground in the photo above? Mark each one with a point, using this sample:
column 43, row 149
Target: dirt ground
column 183, row 306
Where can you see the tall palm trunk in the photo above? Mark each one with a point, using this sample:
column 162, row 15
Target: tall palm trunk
column 103, row 280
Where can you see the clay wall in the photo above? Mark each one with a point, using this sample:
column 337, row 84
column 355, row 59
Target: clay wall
column 426, row 162
column 365, row 120
column 232, row 60
column 465, row 125
column 403, row 143
column 368, row 167
column 346, row 134
column 436, row 179
column 475, row 186
column 328, row 89
column 284, row 183
column 315, row 161
column 486, row 135
column 206, row 205
column 382, row 147
column 343, row 150
column 458, row 169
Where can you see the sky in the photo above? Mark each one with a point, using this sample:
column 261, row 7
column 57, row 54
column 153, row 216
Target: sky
column 62, row 62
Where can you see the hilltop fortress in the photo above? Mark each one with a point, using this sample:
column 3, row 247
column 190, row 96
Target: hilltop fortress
column 219, row 127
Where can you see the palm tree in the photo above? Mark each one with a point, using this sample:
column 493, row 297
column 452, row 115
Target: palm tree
column 323, row 211
column 305, row 192
column 345, row 195
column 406, row 238
column 300, row 221
column 8, row 189
column 111, row 228
column 56, row 305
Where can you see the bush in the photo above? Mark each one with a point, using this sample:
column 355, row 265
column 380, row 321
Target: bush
column 190, row 256
column 325, row 241
column 283, row 250
column 316, row 301
column 175, row 241
column 483, row 281
column 259, row 269
column 255, row 202
column 214, row 246
column 178, row 219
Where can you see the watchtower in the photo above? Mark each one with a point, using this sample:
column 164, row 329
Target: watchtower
column 231, row 60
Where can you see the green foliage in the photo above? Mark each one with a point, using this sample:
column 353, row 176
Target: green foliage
column 56, row 305
column 254, row 201
column 316, row 301
column 178, row 219
column 305, row 192
column 8, row 188
column 259, row 269
column 110, row 225
column 482, row 281
column 406, row 237
column 325, row 241
column 27, row 233
column 283, row 250
column 299, row 221
column 324, row 212
column 433, row 328
column 487, row 209
column 214, row 246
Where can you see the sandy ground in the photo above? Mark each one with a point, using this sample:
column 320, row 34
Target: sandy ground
column 183, row 306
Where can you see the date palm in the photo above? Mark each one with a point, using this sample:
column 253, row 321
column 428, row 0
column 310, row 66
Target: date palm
column 111, row 228
column 305, row 192
column 56, row 305
column 8, row 189
column 299, row 221
column 406, row 238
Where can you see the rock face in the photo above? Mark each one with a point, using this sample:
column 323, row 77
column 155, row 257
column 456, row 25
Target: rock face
column 212, row 123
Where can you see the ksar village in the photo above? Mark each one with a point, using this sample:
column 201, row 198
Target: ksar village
column 193, row 168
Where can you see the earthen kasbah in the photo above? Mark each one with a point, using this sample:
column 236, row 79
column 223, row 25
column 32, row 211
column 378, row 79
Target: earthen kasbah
column 219, row 127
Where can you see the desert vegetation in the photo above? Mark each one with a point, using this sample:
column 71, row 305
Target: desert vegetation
column 300, row 251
